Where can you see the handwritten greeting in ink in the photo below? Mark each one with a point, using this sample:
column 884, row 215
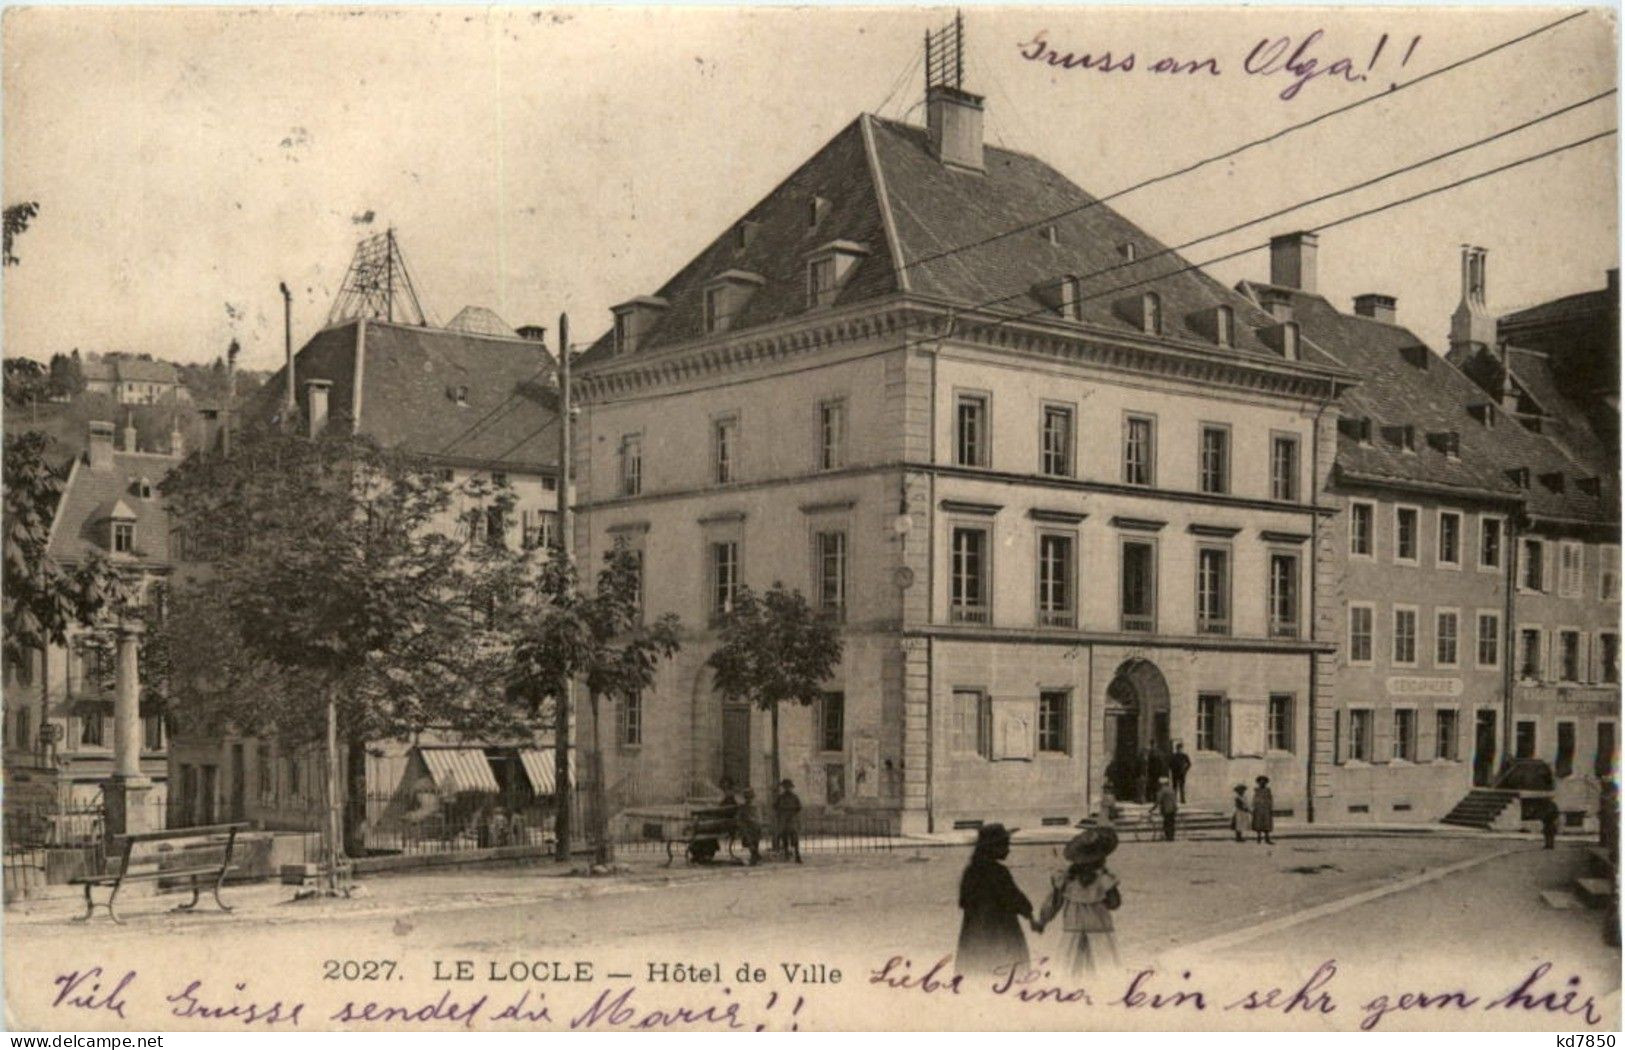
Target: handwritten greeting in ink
column 1299, row 60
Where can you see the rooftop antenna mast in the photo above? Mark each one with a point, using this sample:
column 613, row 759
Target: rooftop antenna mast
column 945, row 55
column 378, row 285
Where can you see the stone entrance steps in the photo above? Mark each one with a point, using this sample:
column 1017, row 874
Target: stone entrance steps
column 1480, row 808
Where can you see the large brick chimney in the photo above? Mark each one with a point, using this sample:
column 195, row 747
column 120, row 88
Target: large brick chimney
column 953, row 118
column 1292, row 260
column 99, row 445
column 1471, row 326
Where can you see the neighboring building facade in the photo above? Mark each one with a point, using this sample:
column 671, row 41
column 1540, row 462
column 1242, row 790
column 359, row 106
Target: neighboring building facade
column 476, row 404
column 59, row 705
column 1057, row 534
column 132, row 380
column 1439, row 490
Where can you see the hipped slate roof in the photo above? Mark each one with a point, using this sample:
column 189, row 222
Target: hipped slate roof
column 889, row 193
column 1395, row 390
column 460, row 397
column 92, row 496
column 129, row 369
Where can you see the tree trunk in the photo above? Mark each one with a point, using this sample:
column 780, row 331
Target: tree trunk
column 333, row 817
column 773, row 785
column 600, row 794
column 355, row 798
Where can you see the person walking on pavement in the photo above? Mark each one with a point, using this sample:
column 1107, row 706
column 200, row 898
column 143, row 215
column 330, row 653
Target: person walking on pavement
column 990, row 939
column 1168, row 806
column 1242, row 818
column 1263, row 810
column 1549, row 816
column 1084, row 894
column 787, row 821
column 1179, row 764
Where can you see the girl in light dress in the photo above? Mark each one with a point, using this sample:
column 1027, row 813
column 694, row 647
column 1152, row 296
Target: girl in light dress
column 1084, row 894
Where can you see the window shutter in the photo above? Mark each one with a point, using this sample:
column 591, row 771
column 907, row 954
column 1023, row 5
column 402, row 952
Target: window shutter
column 1382, row 735
column 1594, row 657
column 1224, row 727
column 1548, row 673
column 1339, row 737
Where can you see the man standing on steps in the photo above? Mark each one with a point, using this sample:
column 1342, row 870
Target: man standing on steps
column 1179, row 764
column 1168, row 806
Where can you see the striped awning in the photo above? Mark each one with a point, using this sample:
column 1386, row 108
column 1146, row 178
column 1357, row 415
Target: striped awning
column 539, row 767
column 460, row 768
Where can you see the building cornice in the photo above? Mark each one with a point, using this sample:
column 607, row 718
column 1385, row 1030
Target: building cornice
column 921, row 322
column 1062, row 636
column 1344, row 475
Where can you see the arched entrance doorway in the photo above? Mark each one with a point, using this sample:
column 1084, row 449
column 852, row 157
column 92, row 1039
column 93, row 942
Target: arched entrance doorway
column 1137, row 730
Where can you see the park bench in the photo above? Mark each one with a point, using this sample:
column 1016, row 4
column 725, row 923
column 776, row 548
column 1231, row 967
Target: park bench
column 197, row 854
column 702, row 833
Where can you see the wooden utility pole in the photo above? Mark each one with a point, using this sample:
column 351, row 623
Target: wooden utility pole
column 566, row 702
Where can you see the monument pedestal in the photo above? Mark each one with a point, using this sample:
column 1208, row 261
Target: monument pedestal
column 129, row 809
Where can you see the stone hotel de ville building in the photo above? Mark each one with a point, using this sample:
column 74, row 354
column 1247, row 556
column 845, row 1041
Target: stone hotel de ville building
column 1058, row 486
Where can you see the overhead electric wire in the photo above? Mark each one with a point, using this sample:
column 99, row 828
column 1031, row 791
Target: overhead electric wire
column 1244, row 147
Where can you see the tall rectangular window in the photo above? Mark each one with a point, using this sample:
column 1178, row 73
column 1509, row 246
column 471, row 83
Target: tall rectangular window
column 971, row 438
column 152, row 732
column 821, row 282
column 1532, row 565
column 1489, row 639
column 970, row 732
column 1362, row 529
column 1215, row 458
column 631, row 727
column 1139, row 450
column 1570, row 570
column 1055, row 454
column 724, row 576
column 968, row 583
column 1602, row 763
column 1447, row 734
column 1608, row 573
column 831, row 434
column 725, row 449
column 1280, row 722
column 1446, row 643
column 1053, row 720
column 1529, row 653
column 123, row 536
column 90, row 728
column 831, row 554
column 1524, row 739
column 1284, row 467
column 1139, row 591
column 1490, row 543
column 1404, row 636
column 632, row 465
column 265, row 772
column 1568, row 648
column 1360, row 627
column 1212, row 590
column 1406, row 528
column 715, row 316
column 1449, row 553
column 1405, row 734
column 1210, row 722
column 1056, row 607
column 1360, row 723
column 1608, row 657
column 832, row 722
column 1284, row 603
column 1563, row 761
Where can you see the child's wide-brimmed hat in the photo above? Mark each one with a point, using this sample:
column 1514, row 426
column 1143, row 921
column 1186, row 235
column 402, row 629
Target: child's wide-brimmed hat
column 1095, row 843
column 1240, row 788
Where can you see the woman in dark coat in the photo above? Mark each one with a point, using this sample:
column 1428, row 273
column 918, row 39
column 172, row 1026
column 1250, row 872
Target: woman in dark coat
column 990, row 940
column 1263, row 810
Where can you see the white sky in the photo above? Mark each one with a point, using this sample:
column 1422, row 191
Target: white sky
column 188, row 160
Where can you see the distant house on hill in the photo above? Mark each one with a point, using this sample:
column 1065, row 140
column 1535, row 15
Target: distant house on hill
column 133, row 380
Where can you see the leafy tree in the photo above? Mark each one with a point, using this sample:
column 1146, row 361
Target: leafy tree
column 331, row 565
column 67, row 375
column 17, row 217
column 774, row 649
column 26, row 381
column 43, row 600
column 599, row 639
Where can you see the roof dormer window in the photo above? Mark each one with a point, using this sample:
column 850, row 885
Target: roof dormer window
column 1052, row 234
column 1071, row 298
column 123, row 537
column 142, row 488
column 1128, row 251
column 715, row 316
column 623, row 333
column 828, row 267
column 1290, row 341
column 1151, row 313
column 1519, row 476
column 634, row 319
column 744, row 233
column 725, row 298
column 1224, row 326
column 817, row 208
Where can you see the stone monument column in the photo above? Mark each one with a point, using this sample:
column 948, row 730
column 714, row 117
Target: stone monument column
column 127, row 790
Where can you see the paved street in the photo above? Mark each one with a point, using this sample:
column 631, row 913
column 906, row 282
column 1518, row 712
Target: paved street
column 854, row 912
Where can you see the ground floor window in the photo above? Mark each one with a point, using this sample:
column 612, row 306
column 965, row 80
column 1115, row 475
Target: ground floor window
column 1405, row 734
column 832, row 722
column 1209, row 721
column 1360, row 722
column 1563, row 761
column 1052, row 720
column 1280, row 722
column 1603, row 764
column 971, row 731
column 1524, row 742
column 90, row 728
column 1447, row 734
